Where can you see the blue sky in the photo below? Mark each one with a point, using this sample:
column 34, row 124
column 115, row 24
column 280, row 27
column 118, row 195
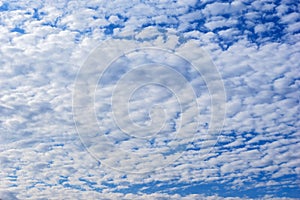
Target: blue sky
column 254, row 47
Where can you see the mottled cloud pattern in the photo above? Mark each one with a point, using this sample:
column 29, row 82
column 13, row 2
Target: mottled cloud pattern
column 255, row 45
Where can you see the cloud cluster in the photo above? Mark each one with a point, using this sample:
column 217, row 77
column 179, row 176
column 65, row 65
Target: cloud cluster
column 255, row 46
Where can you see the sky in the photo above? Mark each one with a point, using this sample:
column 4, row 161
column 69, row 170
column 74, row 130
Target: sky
column 161, row 99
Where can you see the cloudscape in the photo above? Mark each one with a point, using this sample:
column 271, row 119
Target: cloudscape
column 161, row 99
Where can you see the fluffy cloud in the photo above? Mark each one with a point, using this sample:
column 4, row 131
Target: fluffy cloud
column 255, row 46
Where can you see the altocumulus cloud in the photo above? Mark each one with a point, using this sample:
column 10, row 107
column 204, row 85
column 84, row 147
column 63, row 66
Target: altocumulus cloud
column 255, row 46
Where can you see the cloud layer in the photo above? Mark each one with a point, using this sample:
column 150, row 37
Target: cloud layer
column 253, row 44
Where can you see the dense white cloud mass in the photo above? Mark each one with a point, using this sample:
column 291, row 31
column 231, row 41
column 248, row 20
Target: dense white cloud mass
column 255, row 45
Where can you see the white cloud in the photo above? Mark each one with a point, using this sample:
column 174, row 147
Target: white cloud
column 39, row 145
